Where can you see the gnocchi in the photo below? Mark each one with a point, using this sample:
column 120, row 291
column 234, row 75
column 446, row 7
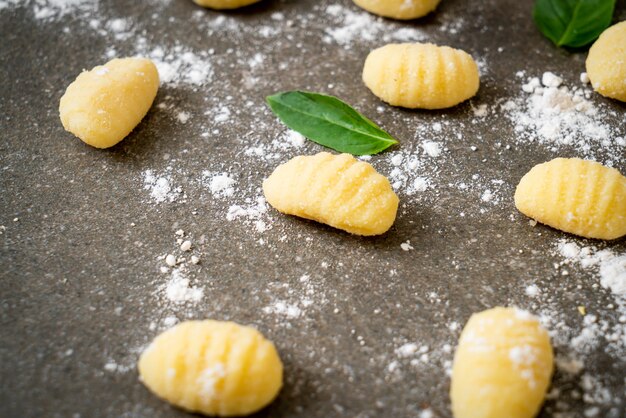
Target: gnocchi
column 337, row 190
column 213, row 367
column 224, row 4
column 425, row 76
column 502, row 366
column 606, row 63
column 102, row 106
column 399, row 9
column 577, row 196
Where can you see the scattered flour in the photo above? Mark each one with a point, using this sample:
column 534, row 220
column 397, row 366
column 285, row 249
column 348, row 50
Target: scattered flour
column 532, row 291
column 426, row 413
column 275, row 150
column 408, row 172
column 407, row 350
column 53, row 9
column 179, row 290
column 292, row 299
column 221, row 115
column 208, row 379
column 160, row 186
column 556, row 115
column 432, row 149
column 183, row 117
column 610, row 265
column 350, row 26
column 219, row 184
column 283, row 308
column 251, row 213
column 114, row 367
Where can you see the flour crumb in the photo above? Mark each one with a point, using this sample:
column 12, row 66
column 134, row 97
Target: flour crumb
column 584, row 78
column 426, row 413
column 183, row 117
column 432, row 148
column 283, row 308
column 179, row 290
column 219, row 184
column 532, row 291
column 161, row 186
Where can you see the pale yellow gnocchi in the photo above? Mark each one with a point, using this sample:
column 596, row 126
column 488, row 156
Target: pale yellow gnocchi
column 606, row 63
column 213, row 367
column 502, row 366
column 104, row 105
column 337, row 190
column 577, row 196
column 399, row 9
column 425, row 76
column 224, row 4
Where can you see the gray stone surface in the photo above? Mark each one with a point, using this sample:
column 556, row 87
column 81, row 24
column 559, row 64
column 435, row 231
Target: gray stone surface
column 80, row 283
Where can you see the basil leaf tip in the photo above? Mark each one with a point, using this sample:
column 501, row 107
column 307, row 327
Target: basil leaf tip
column 573, row 23
column 330, row 122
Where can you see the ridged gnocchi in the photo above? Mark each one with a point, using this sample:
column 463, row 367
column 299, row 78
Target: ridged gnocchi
column 577, row 196
column 606, row 63
column 425, row 76
column 213, row 367
column 502, row 366
column 224, row 4
column 399, row 9
column 337, row 190
column 104, row 105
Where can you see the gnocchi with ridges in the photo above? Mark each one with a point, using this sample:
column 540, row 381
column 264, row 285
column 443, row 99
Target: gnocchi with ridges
column 212, row 367
column 337, row 190
column 577, row 196
column 425, row 76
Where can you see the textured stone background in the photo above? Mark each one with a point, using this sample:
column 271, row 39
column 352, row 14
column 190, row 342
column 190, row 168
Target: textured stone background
column 79, row 285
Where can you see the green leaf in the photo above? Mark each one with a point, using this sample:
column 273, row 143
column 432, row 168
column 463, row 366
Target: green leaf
column 330, row 122
column 573, row 23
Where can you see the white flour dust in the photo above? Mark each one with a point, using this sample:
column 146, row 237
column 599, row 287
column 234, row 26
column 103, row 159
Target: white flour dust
column 553, row 114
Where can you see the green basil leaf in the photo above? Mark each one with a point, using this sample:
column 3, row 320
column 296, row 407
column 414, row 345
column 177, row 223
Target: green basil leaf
column 330, row 122
column 573, row 23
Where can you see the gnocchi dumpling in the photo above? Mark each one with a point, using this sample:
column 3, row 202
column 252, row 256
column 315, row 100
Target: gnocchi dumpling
column 577, row 196
column 399, row 9
column 224, row 4
column 212, row 367
column 337, row 190
column 104, row 105
column 606, row 63
column 425, row 76
column 502, row 366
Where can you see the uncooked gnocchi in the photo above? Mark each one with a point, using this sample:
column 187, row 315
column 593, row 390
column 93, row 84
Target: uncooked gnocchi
column 399, row 9
column 104, row 105
column 502, row 366
column 606, row 63
column 337, row 190
column 577, row 196
column 213, row 367
column 224, row 4
column 424, row 76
